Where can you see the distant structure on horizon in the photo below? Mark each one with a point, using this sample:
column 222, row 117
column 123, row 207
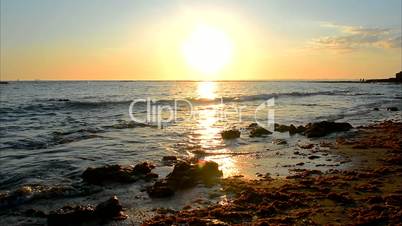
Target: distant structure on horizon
column 397, row 79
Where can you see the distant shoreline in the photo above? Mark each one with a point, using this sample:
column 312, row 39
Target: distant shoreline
column 312, row 81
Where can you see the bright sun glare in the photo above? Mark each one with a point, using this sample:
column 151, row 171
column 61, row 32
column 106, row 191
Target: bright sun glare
column 207, row 49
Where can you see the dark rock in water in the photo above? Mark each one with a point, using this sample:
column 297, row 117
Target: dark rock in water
column 320, row 129
column 150, row 176
column 78, row 215
column 70, row 215
column 110, row 209
column 281, row 128
column 300, row 129
column 17, row 197
column 208, row 171
column 230, row 134
column 392, row 109
column 117, row 173
column 376, row 109
column 252, row 125
column 186, row 175
column 259, row 132
column 35, row 213
column 160, row 189
column 143, row 168
column 169, row 158
column 291, row 129
column 3, row 82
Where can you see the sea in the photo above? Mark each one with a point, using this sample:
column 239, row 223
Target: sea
column 51, row 131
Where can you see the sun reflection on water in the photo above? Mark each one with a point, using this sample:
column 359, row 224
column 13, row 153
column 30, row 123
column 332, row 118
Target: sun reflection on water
column 209, row 127
column 206, row 90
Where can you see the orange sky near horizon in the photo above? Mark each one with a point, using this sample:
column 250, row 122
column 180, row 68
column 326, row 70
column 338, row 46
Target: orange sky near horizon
column 151, row 48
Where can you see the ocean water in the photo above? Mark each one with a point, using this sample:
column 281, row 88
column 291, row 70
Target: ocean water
column 50, row 132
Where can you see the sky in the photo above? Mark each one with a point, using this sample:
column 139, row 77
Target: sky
column 243, row 40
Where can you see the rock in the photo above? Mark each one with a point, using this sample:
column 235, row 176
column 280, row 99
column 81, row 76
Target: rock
column 313, row 157
column 143, row 168
column 252, row 125
column 117, row 173
column 292, row 129
column 69, row 215
column 281, row 128
column 160, row 189
column 186, row 175
column 77, row 215
column 110, row 209
column 209, row 171
column 376, row 109
column 306, row 146
column 279, row 141
column 35, row 213
column 320, row 129
column 259, row 132
column 392, row 109
column 300, row 129
column 169, row 158
column 150, row 176
column 230, row 134
column 300, row 164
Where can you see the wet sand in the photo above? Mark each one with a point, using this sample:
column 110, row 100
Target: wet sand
column 369, row 193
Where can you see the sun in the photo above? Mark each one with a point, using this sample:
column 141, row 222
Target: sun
column 207, row 49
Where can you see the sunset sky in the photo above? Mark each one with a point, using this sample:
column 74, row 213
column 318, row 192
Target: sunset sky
column 192, row 40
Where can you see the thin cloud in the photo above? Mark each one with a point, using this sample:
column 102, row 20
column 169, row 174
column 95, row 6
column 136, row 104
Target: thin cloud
column 356, row 37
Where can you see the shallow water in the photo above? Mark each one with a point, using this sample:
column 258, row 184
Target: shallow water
column 50, row 132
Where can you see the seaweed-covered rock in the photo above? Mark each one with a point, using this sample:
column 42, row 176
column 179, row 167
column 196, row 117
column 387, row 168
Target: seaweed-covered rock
column 77, row 215
column 281, row 128
column 186, row 175
column 230, row 134
column 110, row 209
column 320, row 129
column 118, row 173
column 259, row 132
column 160, row 189
column 291, row 128
column 392, row 109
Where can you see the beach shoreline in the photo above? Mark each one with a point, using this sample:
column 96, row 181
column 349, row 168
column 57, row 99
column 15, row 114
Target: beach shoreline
column 369, row 193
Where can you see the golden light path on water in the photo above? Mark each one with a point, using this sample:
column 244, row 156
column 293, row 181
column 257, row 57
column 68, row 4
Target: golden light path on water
column 209, row 128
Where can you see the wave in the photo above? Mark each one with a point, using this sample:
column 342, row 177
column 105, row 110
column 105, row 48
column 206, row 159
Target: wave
column 32, row 192
column 63, row 104
column 53, row 139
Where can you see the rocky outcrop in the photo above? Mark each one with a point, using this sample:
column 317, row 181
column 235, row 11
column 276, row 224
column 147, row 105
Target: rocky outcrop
column 186, row 175
column 230, row 134
column 118, row 173
column 259, row 132
column 78, row 215
column 320, row 129
column 317, row 129
column 392, row 109
column 291, row 128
